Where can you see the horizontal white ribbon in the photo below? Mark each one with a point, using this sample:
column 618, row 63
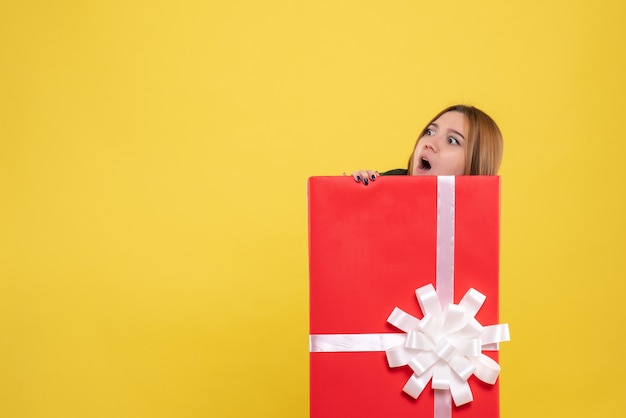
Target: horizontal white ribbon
column 351, row 343
column 333, row 343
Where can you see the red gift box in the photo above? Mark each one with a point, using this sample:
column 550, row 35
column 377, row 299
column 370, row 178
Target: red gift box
column 370, row 247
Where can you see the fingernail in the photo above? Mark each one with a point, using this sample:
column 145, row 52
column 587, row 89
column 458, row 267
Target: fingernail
column 358, row 179
column 373, row 177
column 366, row 182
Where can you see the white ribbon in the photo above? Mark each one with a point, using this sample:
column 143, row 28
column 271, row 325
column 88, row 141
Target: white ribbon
column 445, row 238
column 445, row 346
column 446, row 193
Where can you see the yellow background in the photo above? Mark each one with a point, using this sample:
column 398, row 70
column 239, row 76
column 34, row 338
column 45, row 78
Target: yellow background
column 153, row 166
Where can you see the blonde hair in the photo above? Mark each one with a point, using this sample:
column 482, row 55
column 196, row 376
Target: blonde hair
column 483, row 151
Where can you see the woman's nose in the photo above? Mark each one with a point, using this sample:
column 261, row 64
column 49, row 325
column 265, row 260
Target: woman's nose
column 432, row 143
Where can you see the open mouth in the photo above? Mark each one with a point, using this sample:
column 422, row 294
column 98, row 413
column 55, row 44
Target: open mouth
column 424, row 164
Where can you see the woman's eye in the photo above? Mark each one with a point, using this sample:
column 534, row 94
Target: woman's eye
column 429, row 132
column 453, row 141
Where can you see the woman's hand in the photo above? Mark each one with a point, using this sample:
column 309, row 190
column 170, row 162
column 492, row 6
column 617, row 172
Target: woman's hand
column 365, row 176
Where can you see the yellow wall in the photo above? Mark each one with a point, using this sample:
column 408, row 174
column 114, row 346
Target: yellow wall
column 153, row 165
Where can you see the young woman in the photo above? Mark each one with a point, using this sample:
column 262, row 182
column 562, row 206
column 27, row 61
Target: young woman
column 459, row 140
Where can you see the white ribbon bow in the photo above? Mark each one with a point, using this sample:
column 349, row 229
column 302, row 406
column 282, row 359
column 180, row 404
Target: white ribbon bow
column 446, row 345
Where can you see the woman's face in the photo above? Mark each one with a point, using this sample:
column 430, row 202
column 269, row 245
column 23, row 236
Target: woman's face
column 441, row 151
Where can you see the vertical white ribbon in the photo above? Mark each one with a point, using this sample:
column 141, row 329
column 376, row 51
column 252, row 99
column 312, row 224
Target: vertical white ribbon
column 445, row 269
column 445, row 240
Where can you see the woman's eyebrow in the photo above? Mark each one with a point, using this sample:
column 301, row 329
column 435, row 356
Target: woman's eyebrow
column 434, row 125
column 458, row 133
